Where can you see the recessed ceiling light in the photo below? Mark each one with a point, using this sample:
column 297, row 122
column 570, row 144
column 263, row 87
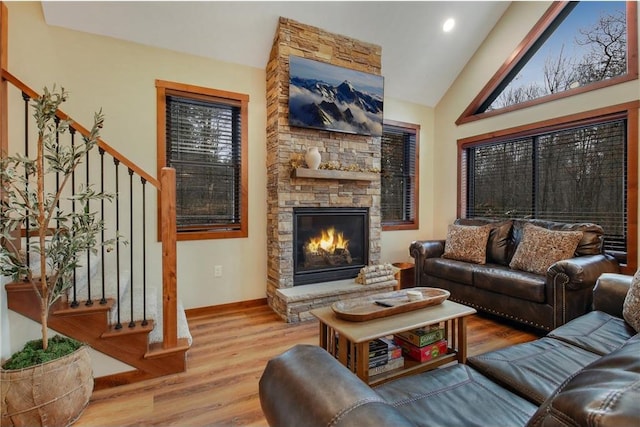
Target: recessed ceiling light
column 448, row 25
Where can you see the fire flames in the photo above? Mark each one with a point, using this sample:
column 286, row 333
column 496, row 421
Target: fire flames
column 329, row 241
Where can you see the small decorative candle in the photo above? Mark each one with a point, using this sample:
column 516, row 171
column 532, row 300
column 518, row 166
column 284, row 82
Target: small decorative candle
column 414, row 295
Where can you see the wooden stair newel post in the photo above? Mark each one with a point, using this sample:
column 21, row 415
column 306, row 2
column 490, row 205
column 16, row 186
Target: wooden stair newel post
column 169, row 259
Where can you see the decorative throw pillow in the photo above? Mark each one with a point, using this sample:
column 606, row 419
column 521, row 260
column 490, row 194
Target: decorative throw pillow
column 467, row 243
column 631, row 306
column 540, row 248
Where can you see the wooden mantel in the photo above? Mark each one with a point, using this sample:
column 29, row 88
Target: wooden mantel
column 333, row 174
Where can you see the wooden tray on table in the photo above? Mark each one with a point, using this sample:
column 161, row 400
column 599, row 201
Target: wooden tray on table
column 387, row 304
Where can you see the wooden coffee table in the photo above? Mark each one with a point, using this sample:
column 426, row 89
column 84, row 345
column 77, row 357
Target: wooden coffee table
column 354, row 337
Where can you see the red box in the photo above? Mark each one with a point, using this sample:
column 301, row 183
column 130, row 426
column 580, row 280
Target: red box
column 422, row 354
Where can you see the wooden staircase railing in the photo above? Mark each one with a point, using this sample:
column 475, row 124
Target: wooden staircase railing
column 165, row 186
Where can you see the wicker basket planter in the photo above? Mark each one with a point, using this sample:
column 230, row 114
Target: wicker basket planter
column 51, row 394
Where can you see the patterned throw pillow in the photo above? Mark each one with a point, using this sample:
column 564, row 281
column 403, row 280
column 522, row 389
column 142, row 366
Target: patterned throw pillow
column 467, row 243
column 631, row 306
column 540, row 248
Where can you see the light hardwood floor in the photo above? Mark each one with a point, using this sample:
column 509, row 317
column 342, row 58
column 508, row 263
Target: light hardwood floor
column 230, row 350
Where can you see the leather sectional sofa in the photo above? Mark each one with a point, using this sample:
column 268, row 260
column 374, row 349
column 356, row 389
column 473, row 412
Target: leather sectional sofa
column 544, row 301
column 586, row 372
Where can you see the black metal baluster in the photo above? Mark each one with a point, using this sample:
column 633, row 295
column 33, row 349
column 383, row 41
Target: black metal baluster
column 87, row 210
column 131, row 322
column 26, row 99
column 144, row 252
column 116, row 162
column 57, row 120
column 103, row 300
column 72, row 131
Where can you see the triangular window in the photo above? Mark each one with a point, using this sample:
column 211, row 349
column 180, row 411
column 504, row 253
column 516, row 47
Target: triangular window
column 575, row 47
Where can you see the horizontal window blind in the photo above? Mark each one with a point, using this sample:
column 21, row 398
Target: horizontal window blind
column 203, row 145
column 398, row 174
column 571, row 175
column 500, row 180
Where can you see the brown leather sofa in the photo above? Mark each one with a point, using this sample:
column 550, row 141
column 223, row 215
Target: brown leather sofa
column 586, row 372
column 544, row 302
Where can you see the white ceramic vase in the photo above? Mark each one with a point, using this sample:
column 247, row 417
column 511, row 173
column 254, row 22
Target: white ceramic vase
column 312, row 158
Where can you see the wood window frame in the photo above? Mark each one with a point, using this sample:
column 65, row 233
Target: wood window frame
column 415, row 223
column 166, row 88
column 629, row 110
column 470, row 115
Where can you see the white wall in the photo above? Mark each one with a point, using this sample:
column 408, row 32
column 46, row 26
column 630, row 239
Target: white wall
column 119, row 77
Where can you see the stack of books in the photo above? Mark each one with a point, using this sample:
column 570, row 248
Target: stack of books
column 384, row 355
column 378, row 353
column 422, row 344
column 394, row 358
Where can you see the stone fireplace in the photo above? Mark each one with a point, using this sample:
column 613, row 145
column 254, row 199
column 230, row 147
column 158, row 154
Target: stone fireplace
column 292, row 190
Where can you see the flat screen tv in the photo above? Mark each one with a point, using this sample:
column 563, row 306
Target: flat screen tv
column 325, row 96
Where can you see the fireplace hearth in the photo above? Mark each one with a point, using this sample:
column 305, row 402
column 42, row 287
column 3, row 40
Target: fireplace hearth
column 329, row 243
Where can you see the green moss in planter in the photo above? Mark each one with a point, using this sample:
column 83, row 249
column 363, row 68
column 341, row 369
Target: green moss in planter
column 32, row 354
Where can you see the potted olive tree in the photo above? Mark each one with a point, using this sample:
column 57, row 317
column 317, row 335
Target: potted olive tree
column 58, row 238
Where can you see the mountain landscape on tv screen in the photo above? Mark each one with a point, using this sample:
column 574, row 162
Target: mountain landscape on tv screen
column 343, row 107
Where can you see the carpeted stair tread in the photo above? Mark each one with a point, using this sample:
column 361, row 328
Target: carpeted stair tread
column 124, row 303
column 183, row 327
column 81, row 271
column 110, row 285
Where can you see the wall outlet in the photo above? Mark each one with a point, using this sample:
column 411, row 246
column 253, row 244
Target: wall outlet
column 217, row 271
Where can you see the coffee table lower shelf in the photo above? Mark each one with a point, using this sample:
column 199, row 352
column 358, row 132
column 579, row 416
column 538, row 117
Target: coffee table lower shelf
column 344, row 339
column 412, row 367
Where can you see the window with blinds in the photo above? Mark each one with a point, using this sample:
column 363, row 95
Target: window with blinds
column 575, row 174
column 399, row 182
column 204, row 142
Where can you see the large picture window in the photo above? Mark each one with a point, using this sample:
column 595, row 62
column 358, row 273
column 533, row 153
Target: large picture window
column 399, row 178
column 575, row 172
column 575, row 47
column 204, row 140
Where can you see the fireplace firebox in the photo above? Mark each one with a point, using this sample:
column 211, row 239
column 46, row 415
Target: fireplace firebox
column 329, row 243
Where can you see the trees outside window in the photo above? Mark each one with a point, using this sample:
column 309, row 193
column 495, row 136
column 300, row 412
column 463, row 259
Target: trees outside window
column 587, row 43
column 399, row 175
column 575, row 47
column 202, row 135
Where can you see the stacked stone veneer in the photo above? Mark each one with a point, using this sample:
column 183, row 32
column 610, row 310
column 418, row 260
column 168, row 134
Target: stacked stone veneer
column 285, row 143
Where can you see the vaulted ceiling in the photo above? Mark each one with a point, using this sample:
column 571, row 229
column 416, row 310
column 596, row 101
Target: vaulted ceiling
column 419, row 60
